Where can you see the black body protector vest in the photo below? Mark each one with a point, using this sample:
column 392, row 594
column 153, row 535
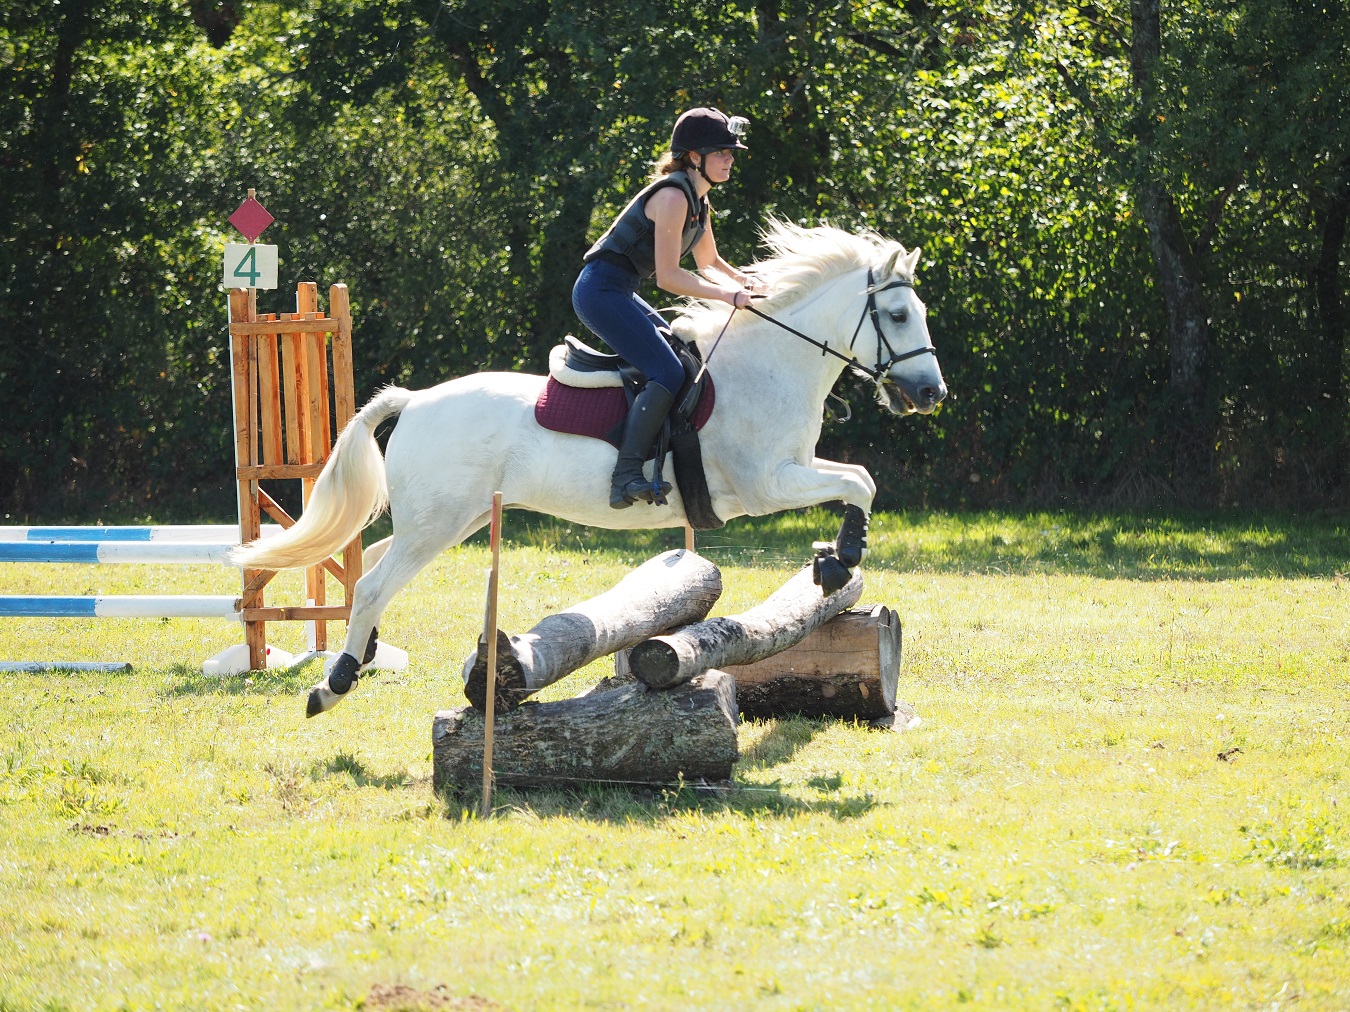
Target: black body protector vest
column 633, row 235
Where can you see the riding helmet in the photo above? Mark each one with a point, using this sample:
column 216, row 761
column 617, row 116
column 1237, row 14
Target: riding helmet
column 706, row 130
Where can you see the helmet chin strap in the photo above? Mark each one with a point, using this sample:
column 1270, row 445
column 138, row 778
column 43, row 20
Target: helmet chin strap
column 703, row 159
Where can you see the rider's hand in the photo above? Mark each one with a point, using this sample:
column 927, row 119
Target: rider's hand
column 735, row 298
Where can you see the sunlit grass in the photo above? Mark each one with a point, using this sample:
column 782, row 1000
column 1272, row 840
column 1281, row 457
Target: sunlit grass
column 1128, row 790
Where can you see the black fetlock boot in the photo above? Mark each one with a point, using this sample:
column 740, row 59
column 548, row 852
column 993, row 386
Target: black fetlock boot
column 851, row 544
column 628, row 484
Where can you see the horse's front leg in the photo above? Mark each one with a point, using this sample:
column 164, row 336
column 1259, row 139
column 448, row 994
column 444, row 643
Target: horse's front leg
column 796, row 485
column 850, row 545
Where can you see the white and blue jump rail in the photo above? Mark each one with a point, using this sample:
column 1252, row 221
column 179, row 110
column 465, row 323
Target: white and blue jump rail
column 192, row 544
column 189, row 544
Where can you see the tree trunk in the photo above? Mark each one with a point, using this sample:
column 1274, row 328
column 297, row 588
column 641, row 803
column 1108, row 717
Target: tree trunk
column 1188, row 340
column 1178, row 271
column 629, row 735
column 666, row 592
column 1330, row 370
column 783, row 620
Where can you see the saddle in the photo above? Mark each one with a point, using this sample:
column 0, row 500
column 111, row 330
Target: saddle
column 589, row 392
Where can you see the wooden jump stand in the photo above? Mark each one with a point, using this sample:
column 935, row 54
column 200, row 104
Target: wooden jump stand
column 290, row 398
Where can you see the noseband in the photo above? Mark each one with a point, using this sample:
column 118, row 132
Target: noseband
column 878, row 372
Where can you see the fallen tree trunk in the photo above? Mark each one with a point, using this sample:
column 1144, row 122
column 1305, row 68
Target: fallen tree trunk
column 666, row 592
column 784, row 619
column 629, row 735
column 848, row 667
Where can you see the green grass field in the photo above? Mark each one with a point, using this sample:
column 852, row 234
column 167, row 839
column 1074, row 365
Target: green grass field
column 1129, row 790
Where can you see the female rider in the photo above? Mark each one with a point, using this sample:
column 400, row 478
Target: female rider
column 667, row 220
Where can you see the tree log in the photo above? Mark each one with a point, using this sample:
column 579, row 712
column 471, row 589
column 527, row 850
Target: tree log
column 629, row 735
column 848, row 667
column 784, row 619
column 666, row 592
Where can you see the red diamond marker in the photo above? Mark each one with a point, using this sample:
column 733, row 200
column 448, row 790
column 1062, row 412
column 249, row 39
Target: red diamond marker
column 251, row 218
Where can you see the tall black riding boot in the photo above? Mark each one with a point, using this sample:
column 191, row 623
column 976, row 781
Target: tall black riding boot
column 649, row 410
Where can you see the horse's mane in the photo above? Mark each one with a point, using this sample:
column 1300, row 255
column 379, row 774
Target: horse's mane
column 800, row 260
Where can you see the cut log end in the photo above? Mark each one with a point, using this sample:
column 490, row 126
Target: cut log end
column 511, row 688
column 657, row 661
column 848, row 667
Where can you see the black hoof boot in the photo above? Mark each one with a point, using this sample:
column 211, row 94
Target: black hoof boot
column 371, row 647
column 326, row 695
column 851, row 543
column 830, row 574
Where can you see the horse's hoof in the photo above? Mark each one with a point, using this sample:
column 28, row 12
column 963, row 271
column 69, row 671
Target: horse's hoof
column 830, row 574
column 341, row 677
column 321, row 700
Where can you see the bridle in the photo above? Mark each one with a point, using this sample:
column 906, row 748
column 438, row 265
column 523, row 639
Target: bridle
column 877, row 373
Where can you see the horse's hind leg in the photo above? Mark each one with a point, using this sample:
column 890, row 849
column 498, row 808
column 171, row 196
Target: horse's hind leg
column 402, row 557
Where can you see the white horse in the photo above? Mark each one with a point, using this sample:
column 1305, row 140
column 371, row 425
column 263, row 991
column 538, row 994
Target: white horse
column 835, row 300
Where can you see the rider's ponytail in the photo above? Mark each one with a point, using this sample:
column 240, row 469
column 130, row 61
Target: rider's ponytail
column 670, row 162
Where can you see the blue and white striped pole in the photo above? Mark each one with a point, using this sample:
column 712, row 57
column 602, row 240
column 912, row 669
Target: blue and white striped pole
column 120, row 606
column 226, row 534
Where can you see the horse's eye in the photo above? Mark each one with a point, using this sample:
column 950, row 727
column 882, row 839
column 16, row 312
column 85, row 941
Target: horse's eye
column 901, row 316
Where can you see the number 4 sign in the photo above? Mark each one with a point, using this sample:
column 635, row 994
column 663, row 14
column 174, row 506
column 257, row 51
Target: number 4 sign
column 250, row 265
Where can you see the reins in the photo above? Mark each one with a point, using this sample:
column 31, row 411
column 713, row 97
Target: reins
column 878, row 372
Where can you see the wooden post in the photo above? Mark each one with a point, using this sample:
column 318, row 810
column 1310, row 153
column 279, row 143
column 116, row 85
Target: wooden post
column 786, row 618
column 243, row 310
column 314, row 365
column 490, row 638
column 344, row 408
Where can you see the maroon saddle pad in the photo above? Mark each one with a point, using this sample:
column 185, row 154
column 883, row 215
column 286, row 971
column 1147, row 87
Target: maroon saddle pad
column 597, row 413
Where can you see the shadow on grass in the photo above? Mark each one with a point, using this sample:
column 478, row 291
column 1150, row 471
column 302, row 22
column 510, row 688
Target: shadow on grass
column 1140, row 546
column 604, row 801
column 785, row 737
column 345, row 764
column 186, row 680
column 622, row 804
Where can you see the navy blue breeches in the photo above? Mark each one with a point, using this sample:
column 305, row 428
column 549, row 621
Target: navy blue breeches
column 605, row 299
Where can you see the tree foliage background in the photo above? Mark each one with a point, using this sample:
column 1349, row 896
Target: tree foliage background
column 1133, row 218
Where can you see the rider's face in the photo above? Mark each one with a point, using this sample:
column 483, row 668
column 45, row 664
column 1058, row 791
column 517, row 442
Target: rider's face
column 717, row 164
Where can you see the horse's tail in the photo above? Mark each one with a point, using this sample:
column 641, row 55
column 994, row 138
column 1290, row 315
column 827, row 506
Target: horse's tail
column 349, row 494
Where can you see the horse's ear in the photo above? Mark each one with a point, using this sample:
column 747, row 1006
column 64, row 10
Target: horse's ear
column 889, row 267
column 912, row 261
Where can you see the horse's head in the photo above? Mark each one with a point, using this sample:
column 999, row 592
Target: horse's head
column 904, row 365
